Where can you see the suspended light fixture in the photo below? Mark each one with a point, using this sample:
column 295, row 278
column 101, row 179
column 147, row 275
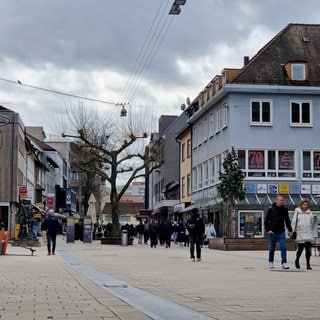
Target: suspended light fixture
column 123, row 112
column 175, row 8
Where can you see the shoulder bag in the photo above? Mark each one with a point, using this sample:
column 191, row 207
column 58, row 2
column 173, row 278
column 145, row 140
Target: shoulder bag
column 294, row 234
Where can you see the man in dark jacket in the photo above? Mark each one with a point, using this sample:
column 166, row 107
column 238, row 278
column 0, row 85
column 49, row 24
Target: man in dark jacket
column 276, row 219
column 51, row 226
column 195, row 226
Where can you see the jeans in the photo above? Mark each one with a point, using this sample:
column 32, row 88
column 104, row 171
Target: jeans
column 51, row 240
column 195, row 241
column 275, row 238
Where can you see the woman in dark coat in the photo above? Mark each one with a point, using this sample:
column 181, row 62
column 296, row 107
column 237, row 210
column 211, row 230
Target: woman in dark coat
column 154, row 232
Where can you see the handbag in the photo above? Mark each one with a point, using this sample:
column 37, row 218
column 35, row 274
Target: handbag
column 294, row 233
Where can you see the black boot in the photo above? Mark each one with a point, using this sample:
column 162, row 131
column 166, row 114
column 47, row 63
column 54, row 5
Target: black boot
column 297, row 264
column 308, row 266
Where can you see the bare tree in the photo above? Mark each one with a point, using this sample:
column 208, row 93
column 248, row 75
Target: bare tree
column 113, row 148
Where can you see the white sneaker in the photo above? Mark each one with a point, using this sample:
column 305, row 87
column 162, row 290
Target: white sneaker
column 285, row 266
column 271, row 266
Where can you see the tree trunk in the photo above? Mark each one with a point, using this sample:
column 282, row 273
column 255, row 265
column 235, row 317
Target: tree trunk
column 115, row 215
column 230, row 223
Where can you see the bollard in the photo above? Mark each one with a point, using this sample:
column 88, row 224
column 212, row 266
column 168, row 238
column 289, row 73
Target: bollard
column 124, row 237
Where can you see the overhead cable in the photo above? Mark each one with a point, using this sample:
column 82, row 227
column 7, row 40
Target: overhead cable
column 19, row 83
column 148, row 51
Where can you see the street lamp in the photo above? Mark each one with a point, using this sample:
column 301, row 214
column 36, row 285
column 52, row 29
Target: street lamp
column 180, row 2
column 175, row 8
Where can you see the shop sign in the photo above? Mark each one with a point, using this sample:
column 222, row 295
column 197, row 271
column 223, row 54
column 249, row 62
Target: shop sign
column 23, row 191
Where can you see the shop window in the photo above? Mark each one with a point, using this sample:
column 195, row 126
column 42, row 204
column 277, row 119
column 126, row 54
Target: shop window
column 311, row 164
column 251, row 224
column 268, row 163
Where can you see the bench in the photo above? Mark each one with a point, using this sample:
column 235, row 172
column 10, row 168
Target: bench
column 316, row 246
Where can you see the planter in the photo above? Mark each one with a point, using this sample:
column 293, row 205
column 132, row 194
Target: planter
column 116, row 241
column 25, row 243
column 246, row 244
column 111, row 241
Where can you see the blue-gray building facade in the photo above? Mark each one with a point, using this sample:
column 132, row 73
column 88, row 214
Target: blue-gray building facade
column 269, row 112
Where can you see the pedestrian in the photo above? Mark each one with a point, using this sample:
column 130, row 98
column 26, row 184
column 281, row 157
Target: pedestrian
column 303, row 223
column 315, row 234
column 210, row 232
column 277, row 217
column 181, row 233
column 154, row 233
column 175, row 231
column 161, row 234
column 186, row 238
column 146, row 232
column 140, row 232
column 195, row 226
column 51, row 226
column 167, row 230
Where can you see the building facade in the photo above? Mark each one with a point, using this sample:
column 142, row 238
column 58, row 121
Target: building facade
column 163, row 178
column 269, row 111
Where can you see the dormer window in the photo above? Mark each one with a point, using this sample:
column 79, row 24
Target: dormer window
column 298, row 71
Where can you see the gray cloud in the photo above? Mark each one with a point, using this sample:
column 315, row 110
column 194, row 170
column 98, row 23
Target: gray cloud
column 89, row 47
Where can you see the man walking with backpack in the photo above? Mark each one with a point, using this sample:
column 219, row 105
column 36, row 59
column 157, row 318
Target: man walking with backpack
column 195, row 226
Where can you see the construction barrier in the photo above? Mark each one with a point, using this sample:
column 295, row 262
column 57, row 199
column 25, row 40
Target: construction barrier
column 4, row 239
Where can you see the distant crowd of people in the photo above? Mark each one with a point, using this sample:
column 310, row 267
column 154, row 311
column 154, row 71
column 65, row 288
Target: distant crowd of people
column 164, row 233
column 195, row 234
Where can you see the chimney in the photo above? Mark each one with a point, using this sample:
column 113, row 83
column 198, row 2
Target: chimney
column 245, row 60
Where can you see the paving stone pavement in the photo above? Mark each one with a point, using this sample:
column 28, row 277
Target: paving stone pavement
column 94, row 281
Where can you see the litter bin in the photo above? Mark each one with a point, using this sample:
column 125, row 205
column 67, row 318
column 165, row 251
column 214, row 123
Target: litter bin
column 124, row 237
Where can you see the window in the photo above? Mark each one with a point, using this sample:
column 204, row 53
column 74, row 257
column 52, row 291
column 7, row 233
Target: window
column 200, row 176
column 200, row 133
column 212, row 170
column 217, row 121
column 224, row 116
column 251, row 224
column 242, row 159
column 188, row 148
column 183, row 147
column 301, row 113
column 124, row 219
column 261, row 112
column 298, row 71
column 188, row 184
column 257, row 163
column 211, row 125
column 194, row 179
column 206, row 173
column 195, row 138
column 183, row 186
column 205, row 129
column 311, row 164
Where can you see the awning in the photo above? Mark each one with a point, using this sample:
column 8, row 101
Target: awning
column 189, row 208
column 43, row 213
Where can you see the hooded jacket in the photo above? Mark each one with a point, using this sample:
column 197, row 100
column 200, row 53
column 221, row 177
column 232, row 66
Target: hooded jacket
column 276, row 219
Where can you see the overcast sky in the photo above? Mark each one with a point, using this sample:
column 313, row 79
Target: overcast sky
column 128, row 51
